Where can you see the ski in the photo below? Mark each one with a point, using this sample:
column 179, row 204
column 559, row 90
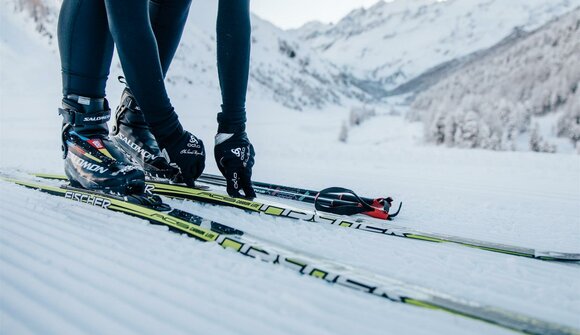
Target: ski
column 278, row 210
column 335, row 200
column 310, row 196
column 152, row 209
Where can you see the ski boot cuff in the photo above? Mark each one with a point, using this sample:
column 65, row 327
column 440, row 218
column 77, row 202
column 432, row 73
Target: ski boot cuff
column 85, row 112
column 84, row 119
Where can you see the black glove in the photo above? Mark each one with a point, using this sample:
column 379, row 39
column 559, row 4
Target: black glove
column 188, row 153
column 234, row 155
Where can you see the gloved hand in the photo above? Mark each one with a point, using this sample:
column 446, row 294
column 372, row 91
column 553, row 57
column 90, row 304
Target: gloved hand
column 188, row 153
column 234, row 155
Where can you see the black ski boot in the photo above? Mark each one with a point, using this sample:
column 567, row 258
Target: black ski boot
column 91, row 160
column 132, row 134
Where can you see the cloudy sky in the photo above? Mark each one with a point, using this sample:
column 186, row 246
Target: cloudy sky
column 294, row 13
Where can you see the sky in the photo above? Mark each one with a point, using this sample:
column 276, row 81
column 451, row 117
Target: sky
column 289, row 14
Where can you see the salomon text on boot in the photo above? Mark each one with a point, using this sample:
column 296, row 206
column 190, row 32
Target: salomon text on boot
column 92, row 160
column 132, row 134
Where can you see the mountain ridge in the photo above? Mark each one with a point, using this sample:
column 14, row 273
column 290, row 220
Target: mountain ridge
column 394, row 42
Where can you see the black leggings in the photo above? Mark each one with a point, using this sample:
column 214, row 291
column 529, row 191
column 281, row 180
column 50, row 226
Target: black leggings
column 147, row 34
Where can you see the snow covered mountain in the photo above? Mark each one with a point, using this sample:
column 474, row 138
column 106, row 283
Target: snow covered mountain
column 390, row 43
column 358, row 60
column 283, row 69
column 512, row 97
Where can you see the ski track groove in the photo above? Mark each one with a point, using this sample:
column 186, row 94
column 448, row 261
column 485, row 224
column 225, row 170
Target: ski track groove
column 291, row 306
column 9, row 323
column 433, row 258
column 442, row 257
column 82, row 282
column 160, row 284
column 25, row 300
column 462, row 225
column 489, row 268
column 84, row 241
column 87, row 239
column 480, row 190
column 33, row 315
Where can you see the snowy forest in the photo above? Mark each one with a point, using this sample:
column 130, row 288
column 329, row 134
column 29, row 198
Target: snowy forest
column 496, row 101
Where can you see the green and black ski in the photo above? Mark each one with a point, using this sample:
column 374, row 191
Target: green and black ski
column 278, row 210
column 150, row 208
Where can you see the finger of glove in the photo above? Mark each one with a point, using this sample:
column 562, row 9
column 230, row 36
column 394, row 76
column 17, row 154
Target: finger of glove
column 195, row 160
column 246, row 184
column 189, row 182
column 189, row 174
column 233, row 183
column 221, row 166
column 183, row 179
column 192, row 172
column 199, row 166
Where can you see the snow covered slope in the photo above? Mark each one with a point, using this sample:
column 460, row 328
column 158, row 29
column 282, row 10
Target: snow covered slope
column 499, row 100
column 66, row 268
column 282, row 68
column 393, row 42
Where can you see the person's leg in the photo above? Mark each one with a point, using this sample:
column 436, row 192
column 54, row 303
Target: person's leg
column 130, row 129
column 91, row 160
column 168, row 18
column 86, row 47
column 233, row 151
column 138, row 51
column 233, row 57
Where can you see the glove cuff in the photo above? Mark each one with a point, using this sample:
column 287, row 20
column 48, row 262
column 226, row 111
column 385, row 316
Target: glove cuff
column 231, row 128
column 232, row 123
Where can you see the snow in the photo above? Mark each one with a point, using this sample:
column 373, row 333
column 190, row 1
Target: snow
column 68, row 268
column 393, row 42
column 111, row 274
column 486, row 109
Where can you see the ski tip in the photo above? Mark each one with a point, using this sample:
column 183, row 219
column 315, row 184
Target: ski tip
column 558, row 256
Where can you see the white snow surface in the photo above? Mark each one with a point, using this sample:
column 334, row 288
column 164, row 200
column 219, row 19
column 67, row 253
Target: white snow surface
column 66, row 268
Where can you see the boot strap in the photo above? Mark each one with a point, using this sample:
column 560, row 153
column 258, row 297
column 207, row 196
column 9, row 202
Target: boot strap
column 84, row 119
column 130, row 103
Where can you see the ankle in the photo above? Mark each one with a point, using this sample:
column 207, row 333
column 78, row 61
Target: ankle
column 170, row 137
column 87, row 116
column 85, row 104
